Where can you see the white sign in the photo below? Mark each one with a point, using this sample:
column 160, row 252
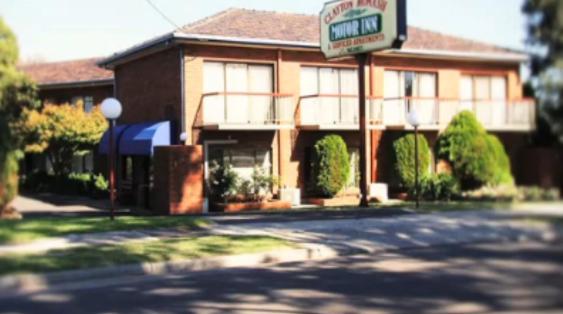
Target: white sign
column 357, row 26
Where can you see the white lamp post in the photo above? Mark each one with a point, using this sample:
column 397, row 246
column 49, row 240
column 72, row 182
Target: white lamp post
column 412, row 119
column 111, row 109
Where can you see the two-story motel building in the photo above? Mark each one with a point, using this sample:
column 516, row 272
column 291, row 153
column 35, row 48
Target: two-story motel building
column 252, row 88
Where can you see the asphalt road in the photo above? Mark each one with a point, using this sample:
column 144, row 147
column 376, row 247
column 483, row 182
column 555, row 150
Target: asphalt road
column 502, row 277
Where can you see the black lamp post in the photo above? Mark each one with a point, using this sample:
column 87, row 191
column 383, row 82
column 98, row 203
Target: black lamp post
column 412, row 119
column 111, row 109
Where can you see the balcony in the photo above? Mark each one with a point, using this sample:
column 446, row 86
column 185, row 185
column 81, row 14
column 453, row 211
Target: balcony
column 329, row 112
column 500, row 115
column 246, row 111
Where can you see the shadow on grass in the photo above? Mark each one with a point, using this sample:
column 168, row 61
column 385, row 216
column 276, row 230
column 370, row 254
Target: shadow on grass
column 26, row 230
column 136, row 252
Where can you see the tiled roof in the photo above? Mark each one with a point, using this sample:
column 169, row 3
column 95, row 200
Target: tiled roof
column 254, row 24
column 66, row 72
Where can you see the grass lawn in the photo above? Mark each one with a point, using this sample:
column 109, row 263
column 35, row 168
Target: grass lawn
column 137, row 252
column 449, row 206
column 26, row 230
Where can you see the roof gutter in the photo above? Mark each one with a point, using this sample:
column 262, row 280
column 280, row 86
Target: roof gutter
column 91, row 83
column 169, row 39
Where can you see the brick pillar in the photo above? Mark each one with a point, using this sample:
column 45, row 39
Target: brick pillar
column 178, row 180
column 375, row 140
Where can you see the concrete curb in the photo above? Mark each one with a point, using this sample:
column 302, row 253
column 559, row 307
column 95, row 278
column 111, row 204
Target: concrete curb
column 17, row 285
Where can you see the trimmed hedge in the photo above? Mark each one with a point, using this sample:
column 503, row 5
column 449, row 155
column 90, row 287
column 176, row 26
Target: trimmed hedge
column 404, row 159
column 330, row 166
column 84, row 184
column 477, row 158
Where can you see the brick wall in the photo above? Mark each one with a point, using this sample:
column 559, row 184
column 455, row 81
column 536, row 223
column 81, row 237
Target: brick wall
column 150, row 90
column 65, row 95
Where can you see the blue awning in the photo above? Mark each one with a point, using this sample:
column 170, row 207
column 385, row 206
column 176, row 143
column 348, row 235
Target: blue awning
column 104, row 142
column 140, row 139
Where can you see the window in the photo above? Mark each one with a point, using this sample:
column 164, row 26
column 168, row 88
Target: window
column 238, row 79
column 88, row 103
column 480, row 88
column 331, row 84
column 486, row 96
column 242, row 159
column 399, row 84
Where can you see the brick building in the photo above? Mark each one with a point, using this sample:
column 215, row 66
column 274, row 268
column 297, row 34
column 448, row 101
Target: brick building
column 252, row 88
column 69, row 82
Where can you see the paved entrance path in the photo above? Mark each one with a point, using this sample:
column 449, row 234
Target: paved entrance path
column 349, row 235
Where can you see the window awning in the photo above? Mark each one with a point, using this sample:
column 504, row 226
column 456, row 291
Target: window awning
column 104, row 142
column 138, row 139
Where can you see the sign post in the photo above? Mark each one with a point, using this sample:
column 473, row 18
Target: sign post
column 359, row 27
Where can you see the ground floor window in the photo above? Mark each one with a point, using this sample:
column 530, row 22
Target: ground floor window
column 242, row 159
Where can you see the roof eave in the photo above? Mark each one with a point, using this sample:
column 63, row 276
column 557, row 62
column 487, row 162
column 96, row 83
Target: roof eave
column 169, row 39
column 460, row 55
column 73, row 84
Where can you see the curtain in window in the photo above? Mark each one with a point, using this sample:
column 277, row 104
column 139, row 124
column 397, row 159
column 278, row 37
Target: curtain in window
column 309, row 86
column 261, row 81
column 393, row 93
column 329, row 110
column 482, row 93
column 466, row 93
column 498, row 97
column 349, row 105
column 237, row 82
column 213, row 81
column 425, row 91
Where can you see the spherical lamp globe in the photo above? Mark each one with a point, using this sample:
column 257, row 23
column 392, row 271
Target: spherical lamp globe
column 111, row 108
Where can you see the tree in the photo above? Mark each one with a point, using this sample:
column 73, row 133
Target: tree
column 330, row 165
column 477, row 158
column 63, row 131
column 545, row 39
column 404, row 159
column 16, row 93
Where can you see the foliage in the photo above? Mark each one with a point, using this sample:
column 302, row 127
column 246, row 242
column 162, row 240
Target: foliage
column 63, row 131
column 477, row 158
column 16, row 94
column 85, row 184
column 535, row 193
column 498, row 193
column 330, row 166
column 440, row 187
column 405, row 159
column 258, row 187
column 545, row 39
column 223, row 182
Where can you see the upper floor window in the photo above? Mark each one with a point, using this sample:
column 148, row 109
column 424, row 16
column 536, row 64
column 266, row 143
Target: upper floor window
column 244, row 92
column 480, row 87
column 331, row 81
column 88, row 103
column 400, row 84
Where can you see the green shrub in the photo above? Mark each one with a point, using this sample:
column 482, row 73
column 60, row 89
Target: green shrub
column 477, row 158
column 489, row 193
column 100, row 186
column 223, row 182
column 404, row 159
column 535, row 194
column 330, row 166
column 258, row 187
column 440, row 187
column 84, row 184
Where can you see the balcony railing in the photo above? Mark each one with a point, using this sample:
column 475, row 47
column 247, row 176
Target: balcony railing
column 329, row 111
column 437, row 113
column 234, row 110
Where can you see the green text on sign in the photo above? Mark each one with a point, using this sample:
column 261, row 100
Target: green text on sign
column 363, row 26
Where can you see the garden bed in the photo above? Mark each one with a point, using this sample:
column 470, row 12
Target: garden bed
column 335, row 201
column 237, row 207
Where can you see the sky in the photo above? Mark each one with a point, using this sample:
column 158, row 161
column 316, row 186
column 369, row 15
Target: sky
column 53, row 30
